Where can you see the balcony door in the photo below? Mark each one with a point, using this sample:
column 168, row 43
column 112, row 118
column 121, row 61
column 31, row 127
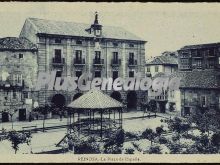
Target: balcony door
column 98, row 55
column 58, row 56
column 115, row 56
column 131, row 58
column 78, row 55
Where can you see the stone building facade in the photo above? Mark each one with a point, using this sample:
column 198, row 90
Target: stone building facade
column 18, row 73
column 199, row 68
column 164, row 66
column 74, row 48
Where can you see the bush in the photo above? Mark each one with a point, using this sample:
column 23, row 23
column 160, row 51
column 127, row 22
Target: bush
column 175, row 138
column 159, row 130
column 163, row 140
column 131, row 135
column 146, row 133
column 119, row 137
column 84, row 147
column 114, row 149
column 174, row 148
column 154, row 150
column 129, row 151
column 215, row 140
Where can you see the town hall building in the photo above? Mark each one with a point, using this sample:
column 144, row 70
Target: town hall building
column 72, row 49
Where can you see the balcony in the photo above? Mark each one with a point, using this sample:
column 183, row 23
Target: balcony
column 79, row 62
column 11, row 85
column 116, row 62
column 132, row 62
column 98, row 62
column 159, row 98
column 58, row 61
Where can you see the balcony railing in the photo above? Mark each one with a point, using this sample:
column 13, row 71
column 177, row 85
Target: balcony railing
column 98, row 62
column 116, row 62
column 159, row 98
column 78, row 62
column 11, row 84
column 132, row 62
column 58, row 61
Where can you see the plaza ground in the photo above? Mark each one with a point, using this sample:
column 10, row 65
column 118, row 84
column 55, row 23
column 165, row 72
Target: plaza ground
column 46, row 141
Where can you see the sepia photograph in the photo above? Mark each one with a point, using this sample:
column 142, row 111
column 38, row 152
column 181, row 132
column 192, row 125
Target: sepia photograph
column 109, row 82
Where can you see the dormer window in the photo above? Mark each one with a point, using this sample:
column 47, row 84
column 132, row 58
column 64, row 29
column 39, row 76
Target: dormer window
column 79, row 42
column 58, row 41
column 98, row 32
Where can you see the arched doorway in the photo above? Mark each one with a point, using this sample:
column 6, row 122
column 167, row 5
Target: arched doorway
column 76, row 96
column 132, row 100
column 116, row 95
column 58, row 100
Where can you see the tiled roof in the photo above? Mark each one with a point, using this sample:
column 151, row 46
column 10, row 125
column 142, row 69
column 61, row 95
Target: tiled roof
column 14, row 43
column 207, row 79
column 164, row 60
column 95, row 99
column 79, row 29
column 200, row 46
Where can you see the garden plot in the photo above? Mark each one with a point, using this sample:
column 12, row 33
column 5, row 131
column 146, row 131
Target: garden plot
column 139, row 125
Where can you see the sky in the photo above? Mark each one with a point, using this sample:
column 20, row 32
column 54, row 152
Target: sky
column 165, row 26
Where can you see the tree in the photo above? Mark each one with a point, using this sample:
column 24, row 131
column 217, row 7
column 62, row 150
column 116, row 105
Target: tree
column 154, row 150
column 149, row 134
column 44, row 111
column 17, row 138
column 159, row 131
column 178, row 126
column 205, row 119
column 215, row 139
column 153, row 106
column 115, row 142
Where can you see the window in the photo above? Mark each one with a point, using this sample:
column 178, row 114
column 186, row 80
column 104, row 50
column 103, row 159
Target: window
column 78, row 73
column 184, row 63
column 131, row 73
column 131, row 45
column 14, row 94
column 172, row 94
column 20, row 55
column 115, row 44
column 131, row 56
column 198, row 63
column 57, row 58
column 115, row 56
column 219, row 101
column 58, row 53
column 79, row 54
column 98, row 32
column 25, row 95
column 156, row 68
column 58, row 73
column 148, row 69
column 203, row 101
column 97, row 73
column 115, row 75
column 41, row 39
column 17, row 78
column 97, row 55
column 211, row 63
column 58, row 41
column 79, row 42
